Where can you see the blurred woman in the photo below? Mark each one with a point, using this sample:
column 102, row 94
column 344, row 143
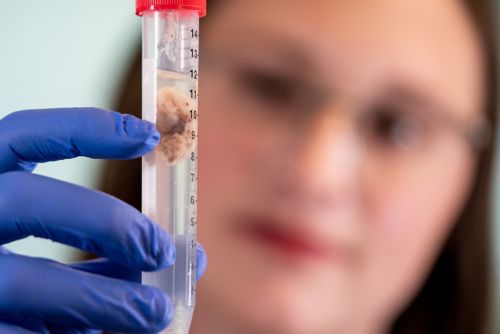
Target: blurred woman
column 345, row 170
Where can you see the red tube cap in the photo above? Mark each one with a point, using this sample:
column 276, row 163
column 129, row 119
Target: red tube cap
column 144, row 5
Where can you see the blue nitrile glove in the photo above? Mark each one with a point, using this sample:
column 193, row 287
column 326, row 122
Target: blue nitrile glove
column 42, row 296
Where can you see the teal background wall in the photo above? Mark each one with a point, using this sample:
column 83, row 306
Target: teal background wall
column 64, row 53
column 57, row 53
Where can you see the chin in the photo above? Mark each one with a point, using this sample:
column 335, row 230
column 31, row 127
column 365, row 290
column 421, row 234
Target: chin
column 272, row 307
column 276, row 315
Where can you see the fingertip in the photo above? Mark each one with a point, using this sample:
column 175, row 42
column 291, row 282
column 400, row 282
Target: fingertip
column 142, row 133
column 154, row 137
column 139, row 243
column 142, row 308
column 151, row 133
column 167, row 251
column 162, row 252
column 201, row 261
column 161, row 311
column 137, row 128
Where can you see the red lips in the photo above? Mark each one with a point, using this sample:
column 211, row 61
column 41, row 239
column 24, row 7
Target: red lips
column 289, row 242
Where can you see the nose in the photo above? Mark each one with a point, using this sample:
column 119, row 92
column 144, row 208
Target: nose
column 326, row 161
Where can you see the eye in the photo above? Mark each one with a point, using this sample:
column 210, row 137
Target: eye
column 267, row 87
column 395, row 128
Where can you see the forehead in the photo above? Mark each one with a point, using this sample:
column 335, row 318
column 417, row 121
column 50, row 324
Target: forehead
column 428, row 43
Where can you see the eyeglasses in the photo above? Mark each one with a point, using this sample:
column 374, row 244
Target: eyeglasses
column 394, row 125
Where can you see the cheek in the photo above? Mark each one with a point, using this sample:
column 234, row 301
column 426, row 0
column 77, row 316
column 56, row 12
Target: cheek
column 413, row 214
column 234, row 144
column 231, row 145
column 227, row 151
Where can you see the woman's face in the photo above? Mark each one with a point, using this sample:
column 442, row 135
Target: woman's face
column 333, row 158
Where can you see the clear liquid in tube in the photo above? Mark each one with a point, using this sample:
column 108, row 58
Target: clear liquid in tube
column 169, row 182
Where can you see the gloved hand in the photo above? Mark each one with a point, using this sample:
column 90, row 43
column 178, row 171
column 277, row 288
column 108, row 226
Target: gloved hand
column 43, row 296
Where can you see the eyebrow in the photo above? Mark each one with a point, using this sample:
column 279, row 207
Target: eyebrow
column 272, row 46
column 411, row 95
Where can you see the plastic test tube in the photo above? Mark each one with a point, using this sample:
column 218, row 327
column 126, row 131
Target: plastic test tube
column 169, row 174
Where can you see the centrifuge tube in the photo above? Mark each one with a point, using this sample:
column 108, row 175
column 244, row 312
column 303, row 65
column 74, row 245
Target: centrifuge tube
column 169, row 173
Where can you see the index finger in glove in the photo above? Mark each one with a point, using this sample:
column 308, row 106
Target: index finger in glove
column 31, row 136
